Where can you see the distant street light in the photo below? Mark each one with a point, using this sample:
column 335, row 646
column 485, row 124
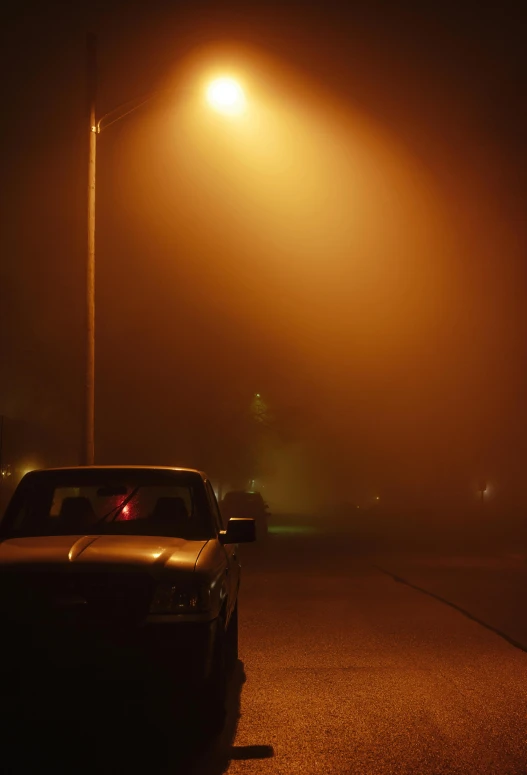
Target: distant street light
column 482, row 490
column 226, row 96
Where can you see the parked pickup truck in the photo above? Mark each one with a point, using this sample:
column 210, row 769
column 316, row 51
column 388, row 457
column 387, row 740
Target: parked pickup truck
column 121, row 560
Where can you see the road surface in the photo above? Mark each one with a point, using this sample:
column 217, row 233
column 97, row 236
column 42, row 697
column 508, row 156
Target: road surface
column 346, row 667
column 350, row 671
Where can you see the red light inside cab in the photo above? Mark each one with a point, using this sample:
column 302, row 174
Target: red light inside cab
column 125, row 514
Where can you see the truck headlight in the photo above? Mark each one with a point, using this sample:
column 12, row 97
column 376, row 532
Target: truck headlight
column 173, row 598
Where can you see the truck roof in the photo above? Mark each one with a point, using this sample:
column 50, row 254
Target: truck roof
column 121, row 468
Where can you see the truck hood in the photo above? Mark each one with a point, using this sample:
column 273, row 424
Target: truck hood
column 139, row 552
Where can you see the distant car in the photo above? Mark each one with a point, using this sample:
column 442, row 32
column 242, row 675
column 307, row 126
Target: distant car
column 249, row 504
column 141, row 553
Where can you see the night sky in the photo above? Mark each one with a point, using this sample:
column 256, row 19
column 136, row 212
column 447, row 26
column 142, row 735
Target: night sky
column 355, row 251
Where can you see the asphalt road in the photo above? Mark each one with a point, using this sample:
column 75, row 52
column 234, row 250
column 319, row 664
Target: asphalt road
column 350, row 671
column 348, row 664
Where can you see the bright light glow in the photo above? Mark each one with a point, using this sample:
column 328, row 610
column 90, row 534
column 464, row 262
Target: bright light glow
column 226, row 96
column 27, row 468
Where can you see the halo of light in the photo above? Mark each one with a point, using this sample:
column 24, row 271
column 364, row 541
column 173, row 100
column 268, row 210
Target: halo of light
column 226, row 96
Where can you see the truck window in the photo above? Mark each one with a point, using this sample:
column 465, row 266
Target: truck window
column 218, row 520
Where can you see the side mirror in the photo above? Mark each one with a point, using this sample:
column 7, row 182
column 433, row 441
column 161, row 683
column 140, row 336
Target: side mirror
column 239, row 531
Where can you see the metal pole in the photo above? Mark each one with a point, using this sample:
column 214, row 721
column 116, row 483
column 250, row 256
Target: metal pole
column 1, row 446
column 91, row 61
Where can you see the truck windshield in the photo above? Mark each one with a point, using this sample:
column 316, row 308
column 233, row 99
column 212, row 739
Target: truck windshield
column 120, row 501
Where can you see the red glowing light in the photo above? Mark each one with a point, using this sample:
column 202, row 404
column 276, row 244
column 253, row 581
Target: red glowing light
column 125, row 514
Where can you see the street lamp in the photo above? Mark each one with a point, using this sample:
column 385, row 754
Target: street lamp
column 226, row 96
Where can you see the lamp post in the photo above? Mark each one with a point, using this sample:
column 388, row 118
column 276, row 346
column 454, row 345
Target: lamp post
column 89, row 430
column 224, row 95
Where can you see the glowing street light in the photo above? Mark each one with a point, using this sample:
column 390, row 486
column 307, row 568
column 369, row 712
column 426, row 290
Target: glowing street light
column 226, row 96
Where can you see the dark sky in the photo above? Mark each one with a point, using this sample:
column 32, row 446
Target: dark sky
column 360, row 258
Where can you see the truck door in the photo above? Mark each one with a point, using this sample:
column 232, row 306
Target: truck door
column 231, row 552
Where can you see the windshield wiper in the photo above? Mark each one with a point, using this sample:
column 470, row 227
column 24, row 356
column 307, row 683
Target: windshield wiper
column 117, row 509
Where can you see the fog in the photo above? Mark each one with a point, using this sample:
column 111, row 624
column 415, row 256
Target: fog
column 349, row 249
